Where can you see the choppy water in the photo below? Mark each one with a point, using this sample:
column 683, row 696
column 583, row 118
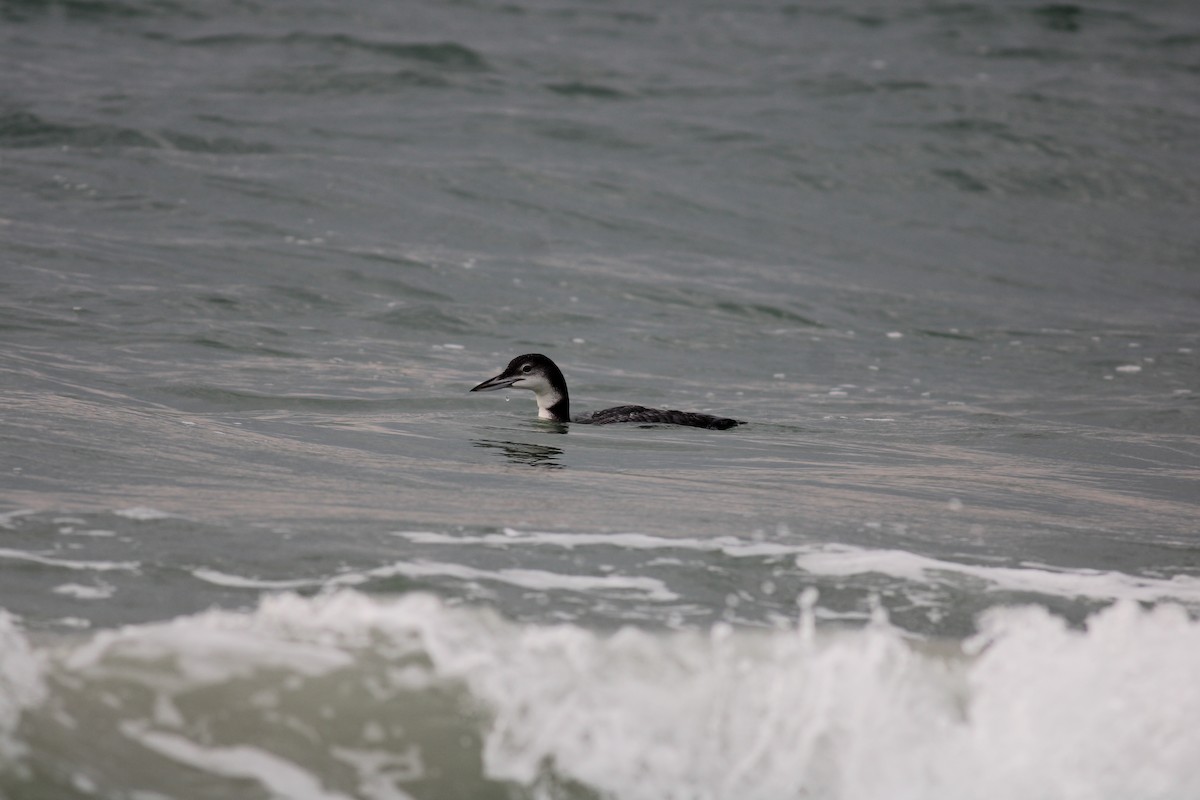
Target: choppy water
column 257, row 540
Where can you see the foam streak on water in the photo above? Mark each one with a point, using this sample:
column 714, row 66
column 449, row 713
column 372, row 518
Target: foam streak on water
column 843, row 560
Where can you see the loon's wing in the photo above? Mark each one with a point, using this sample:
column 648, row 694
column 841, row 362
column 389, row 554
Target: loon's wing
column 655, row 416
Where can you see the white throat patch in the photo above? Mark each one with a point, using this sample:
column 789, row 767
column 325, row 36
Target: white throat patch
column 543, row 391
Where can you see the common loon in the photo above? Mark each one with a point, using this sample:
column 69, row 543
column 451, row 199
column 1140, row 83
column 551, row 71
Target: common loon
column 542, row 376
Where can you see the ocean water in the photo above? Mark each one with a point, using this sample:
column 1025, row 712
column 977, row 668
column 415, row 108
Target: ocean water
column 257, row 540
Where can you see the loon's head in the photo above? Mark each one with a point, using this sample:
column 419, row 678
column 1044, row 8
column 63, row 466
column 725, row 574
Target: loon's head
column 540, row 375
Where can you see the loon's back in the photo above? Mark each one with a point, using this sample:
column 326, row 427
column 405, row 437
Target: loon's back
column 659, row 416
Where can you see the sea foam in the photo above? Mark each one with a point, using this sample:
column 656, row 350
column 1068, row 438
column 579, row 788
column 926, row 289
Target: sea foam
column 1030, row 707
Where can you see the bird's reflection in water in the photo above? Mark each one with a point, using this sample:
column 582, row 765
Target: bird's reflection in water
column 531, row 455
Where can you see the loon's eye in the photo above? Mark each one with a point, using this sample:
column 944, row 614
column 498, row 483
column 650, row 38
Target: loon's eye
column 527, row 368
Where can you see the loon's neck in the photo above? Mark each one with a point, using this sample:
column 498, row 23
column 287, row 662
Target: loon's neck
column 554, row 405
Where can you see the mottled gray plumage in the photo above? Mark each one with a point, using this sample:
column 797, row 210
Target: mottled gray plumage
column 659, row 416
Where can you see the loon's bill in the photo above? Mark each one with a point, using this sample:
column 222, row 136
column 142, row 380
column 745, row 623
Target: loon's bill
column 540, row 375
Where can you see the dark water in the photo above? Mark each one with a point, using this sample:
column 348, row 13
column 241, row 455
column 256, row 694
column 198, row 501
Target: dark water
column 257, row 540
